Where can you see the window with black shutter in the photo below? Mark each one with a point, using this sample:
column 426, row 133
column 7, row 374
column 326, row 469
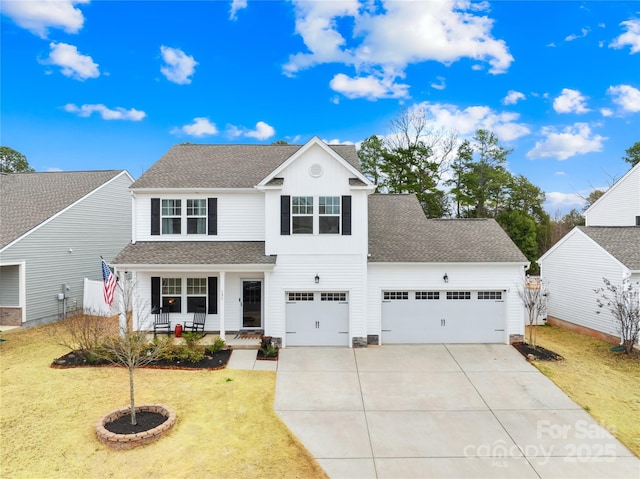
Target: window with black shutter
column 155, row 293
column 285, row 214
column 213, row 216
column 346, row 215
column 213, row 294
column 155, row 216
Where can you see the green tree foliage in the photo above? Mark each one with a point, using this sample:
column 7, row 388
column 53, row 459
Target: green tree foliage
column 410, row 160
column 633, row 154
column 522, row 229
column 592, row 198
column 12, row 161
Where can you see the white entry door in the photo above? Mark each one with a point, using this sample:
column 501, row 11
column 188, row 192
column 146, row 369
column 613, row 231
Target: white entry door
column 317, row 318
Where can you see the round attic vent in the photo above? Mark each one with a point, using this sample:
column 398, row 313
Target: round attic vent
column 315, row 170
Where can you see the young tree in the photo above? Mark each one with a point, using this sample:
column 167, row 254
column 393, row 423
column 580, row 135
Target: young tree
column 371, row 155
column 633, row 154
column 592, row 198
column 131, row 348
column 623, row 302
column 533, row 294
column 12, row 161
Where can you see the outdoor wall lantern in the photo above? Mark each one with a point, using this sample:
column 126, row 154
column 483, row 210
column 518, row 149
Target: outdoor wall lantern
column 446, row 278
column 317, row 278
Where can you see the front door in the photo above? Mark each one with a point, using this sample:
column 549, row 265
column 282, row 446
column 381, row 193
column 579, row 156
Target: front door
column 251, row 303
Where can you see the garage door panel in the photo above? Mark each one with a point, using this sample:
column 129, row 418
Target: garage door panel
column 442, row 318
column 318, row 322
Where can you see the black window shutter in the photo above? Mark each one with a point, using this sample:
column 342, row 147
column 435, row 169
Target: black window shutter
column 285, row 211
column 346, row 215
column 155, row 216
column 212, row 228
column 213, row 295
column 155, row 293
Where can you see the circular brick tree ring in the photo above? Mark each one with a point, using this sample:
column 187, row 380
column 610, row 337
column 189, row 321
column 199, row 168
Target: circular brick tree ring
column 129, row 441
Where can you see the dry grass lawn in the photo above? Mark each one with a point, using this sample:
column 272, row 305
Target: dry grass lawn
column 226, row 425
column 604, row 383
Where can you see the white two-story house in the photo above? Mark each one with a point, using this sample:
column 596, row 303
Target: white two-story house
column 608, row 246
column 290, row 240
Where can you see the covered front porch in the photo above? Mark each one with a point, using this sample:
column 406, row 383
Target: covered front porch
column 227, row 281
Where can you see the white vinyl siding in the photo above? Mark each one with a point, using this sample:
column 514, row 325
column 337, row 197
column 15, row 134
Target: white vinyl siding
column 573, row 270
column 620, row 205
column 67, row 249
column 240, row 217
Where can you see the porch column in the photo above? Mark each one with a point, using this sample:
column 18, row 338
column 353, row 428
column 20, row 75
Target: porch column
column 221, row 304
column 266, row 324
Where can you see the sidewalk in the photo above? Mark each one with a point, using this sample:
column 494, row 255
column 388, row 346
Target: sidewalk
column 246, row 359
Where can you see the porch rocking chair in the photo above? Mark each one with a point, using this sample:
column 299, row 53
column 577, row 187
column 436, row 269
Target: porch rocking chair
column 161, row 321
column 198, row 322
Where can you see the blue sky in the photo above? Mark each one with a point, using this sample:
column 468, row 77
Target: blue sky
column 114, row 84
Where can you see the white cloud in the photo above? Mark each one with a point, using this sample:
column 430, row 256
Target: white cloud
column 335, row 141
column 441, row 85
column 53, row 169
column 631, row 37
column 560, row 173
column 38, row 16
column 570, row 101
column 563, row 202
column 71, row 62
column 572, row 140
column 118, row 113
column 261, row 132
column 574, row 36
column 626, row 97
column 200, row 127
column 606, row 112
column 513, row 97
column 466, row 121
column 388, row 37
column 179, row 66
column 367, row 87
column 236, row 6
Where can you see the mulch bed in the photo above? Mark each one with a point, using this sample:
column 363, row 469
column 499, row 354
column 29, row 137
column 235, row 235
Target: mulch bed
column 217, row 360
column 145, row 421
column 260, row 356
column 537, row 353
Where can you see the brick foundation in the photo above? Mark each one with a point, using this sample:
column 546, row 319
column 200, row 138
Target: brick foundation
column 10, row 316
column 583, row 330
column 129, row 441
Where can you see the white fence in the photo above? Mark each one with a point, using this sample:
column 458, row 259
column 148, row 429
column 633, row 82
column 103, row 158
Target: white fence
column 93, row 301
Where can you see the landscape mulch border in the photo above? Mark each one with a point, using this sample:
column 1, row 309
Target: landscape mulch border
column 537, row 353
column 212, row 364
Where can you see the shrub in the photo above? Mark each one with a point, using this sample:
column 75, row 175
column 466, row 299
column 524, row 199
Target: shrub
column 84, row 332
column 191, row 338
column 217, row 345
column 270, row 350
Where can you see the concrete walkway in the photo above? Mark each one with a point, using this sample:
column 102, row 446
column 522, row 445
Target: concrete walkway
column 448, row 411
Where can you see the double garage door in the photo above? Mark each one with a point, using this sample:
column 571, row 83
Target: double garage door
column 443, row 317
column 317, row 319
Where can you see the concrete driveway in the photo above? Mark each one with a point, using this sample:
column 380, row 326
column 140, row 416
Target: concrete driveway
column 450, row 411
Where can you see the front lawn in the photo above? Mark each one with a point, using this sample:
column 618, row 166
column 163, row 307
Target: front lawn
column 604, row 383
column 226, row 426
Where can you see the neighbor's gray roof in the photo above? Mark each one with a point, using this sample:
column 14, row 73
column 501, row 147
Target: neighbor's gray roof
column 223, row 166
column 193, row 252
column 622, row 242
column 28, row 199
column 400, row 232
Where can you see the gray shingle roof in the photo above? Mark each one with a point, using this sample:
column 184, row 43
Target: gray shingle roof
column 400, row 232
column 223, row 166
column 28, row 199
column 193, row 252
column 622, row 242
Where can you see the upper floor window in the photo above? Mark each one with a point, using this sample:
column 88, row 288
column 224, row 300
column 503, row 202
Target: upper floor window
column 329, row 214
column 171, row 217
column 302, row 214
column 196, row 217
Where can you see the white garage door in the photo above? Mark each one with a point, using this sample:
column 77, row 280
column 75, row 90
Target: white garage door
column 317, row 319
column 443, row 317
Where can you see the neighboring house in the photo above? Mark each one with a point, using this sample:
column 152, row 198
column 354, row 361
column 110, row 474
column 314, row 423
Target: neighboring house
column 290, row 241
column 608, row 246
column 53, row 229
